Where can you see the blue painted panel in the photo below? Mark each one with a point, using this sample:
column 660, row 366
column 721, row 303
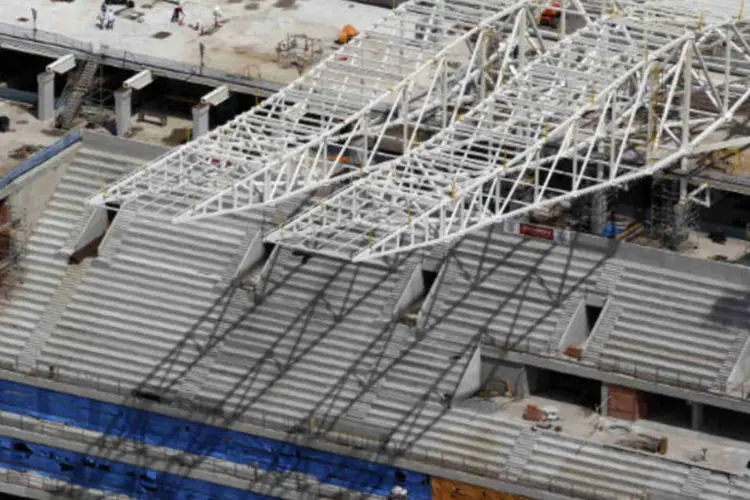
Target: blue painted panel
column 40, row 157
column 108, row 475
column 160, row 430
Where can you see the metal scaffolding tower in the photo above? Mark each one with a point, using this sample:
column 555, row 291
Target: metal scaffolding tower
column 609, row 105
column 406, row 72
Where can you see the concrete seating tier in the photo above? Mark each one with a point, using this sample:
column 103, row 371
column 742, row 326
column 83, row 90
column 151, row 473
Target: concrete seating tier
column 43, row 269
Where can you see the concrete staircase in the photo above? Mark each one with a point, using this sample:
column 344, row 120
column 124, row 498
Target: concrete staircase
column 695, row 483
column 601, row 336
column 522, row 451
column 610, row 277
column 82, row 87
column 52, row 314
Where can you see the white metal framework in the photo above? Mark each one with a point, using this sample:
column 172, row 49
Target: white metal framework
column 422, row 58
column 619, row 100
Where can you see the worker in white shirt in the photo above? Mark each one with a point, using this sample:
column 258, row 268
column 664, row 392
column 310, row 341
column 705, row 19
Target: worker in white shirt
column 110, row 19
column 218, row 16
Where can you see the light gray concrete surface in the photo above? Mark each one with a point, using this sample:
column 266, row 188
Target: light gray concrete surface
column 244, row 45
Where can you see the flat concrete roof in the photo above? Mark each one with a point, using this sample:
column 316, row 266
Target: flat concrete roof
column 245, row 45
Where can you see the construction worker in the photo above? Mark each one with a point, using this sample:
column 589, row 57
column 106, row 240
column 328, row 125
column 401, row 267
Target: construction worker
column 110, row 19
column 177, row 13
column 101, row 19
column 218, row 16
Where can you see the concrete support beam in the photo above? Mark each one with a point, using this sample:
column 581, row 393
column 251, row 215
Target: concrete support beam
column 604, row 400
column 696, row 417
column 200, row 119
column 46, row 96
column 216, row 96
column 138, row 81
column 123, row 111
column 62, row 65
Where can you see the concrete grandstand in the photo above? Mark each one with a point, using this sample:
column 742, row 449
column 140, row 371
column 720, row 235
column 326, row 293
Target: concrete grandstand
column 287, row 308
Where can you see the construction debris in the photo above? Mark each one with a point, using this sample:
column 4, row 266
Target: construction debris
column 23, row 152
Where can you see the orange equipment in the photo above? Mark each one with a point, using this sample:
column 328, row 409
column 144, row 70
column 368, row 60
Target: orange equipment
column 551, row 15
column 346, row 34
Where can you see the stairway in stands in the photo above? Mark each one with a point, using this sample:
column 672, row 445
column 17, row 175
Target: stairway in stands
column 74, row 101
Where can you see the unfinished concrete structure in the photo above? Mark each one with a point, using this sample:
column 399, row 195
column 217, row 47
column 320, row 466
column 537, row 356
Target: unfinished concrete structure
column 407, row 318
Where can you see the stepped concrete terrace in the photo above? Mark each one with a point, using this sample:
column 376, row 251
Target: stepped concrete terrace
column 43, row 265
column 512, row 289
column 305, row 346
column 140, row 300
column 677, row 325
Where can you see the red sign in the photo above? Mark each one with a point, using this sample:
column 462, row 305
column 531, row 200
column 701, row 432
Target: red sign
column 546, row 233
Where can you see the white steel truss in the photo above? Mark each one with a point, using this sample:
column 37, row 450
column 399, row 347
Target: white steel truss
column 617, row 101
column 395, row 72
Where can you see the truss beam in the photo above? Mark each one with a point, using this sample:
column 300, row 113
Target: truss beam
column 388, row 64
column 538, row 155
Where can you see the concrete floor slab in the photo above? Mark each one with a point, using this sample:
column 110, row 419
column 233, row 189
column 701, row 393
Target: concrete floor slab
column 25, row 130
column 245, row 45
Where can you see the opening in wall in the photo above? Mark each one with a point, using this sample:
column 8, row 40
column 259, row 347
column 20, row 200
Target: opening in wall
column 93, row 233
column 412, row 298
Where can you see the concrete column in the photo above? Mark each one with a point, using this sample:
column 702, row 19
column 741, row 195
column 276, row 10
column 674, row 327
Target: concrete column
column 200, row 119
column 123, row 111
column 46, row 98
column 696, row 418
column 604, row 400
column 599, row 212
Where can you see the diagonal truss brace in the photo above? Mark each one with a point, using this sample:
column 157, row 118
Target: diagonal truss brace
column 498, row 195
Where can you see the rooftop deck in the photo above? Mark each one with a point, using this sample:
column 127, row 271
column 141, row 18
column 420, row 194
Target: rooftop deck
column 245, row 45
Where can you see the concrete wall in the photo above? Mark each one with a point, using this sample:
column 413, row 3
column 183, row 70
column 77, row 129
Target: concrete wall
column 741, row 371
column 253, row 256
column 29, row 195
column 95, row 227
column 578, row 331
column 412, row 291
column 471, row 380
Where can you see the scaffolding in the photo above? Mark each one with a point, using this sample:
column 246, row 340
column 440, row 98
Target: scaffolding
column 672, row 217
column 299, row 51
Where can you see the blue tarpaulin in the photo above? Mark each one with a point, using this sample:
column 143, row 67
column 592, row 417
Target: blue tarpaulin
column 160, row 430
column 111, row 476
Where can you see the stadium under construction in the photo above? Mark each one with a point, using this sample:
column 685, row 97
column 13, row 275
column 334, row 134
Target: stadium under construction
column 482, row 249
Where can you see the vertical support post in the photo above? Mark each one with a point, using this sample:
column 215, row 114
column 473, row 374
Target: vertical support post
column 200, row 119
column 563, row 20
column 523, row 20
column 727, row 68
column 696, row 415
column 46, row 96
column 687, row 84
column 123, row 111
column 444, row 90
column 604, row 400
